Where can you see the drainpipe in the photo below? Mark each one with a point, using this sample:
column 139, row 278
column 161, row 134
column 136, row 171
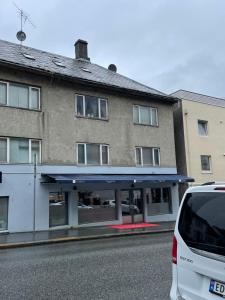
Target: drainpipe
column 34, row 204
column 187, row 142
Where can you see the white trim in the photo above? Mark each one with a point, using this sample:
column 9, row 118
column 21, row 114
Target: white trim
column 85, row 153
column 6, row 83
column 8, row 150
column 100, row 153
column 29, row 100
column 153, row 157
column 29, row 94
column 99, row 108
column 150, row 109
column 29, row 151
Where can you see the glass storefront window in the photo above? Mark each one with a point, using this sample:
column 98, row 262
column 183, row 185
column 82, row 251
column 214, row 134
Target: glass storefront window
column 159, row 201
column 96, row 206
column 4, row 213
column 58, row 209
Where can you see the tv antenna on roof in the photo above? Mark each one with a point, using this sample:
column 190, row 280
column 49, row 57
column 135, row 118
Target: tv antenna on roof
column 21, row 35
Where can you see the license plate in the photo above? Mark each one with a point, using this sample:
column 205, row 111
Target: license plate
column 217, row 288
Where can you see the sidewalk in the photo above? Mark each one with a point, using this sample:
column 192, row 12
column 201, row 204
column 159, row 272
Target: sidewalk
column 14, row 240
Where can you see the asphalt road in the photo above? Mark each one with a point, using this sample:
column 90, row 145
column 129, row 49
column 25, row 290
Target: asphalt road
column 133, row 268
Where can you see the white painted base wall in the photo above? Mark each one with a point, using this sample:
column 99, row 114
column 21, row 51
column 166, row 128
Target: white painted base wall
column 18, row 184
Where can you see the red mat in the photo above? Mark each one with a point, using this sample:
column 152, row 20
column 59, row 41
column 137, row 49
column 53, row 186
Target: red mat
column 133, row 226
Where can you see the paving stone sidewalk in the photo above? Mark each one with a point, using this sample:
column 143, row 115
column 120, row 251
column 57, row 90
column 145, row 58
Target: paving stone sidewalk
column 14, row 240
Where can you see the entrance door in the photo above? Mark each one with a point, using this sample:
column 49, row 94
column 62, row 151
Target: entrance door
column 132, row 206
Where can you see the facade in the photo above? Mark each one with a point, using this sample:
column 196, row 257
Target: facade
column 81, row 144
column 199, row 129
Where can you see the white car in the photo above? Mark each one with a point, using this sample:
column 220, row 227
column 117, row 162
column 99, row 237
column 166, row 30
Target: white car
column 198, row 252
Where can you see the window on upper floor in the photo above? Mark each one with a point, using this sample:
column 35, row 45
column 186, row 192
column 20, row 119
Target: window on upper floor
column 18, row 95
column 19, row 150
column 92, row 154
column 147, row 156
column 202, row 128
column 145, row 115
column 91, row 107
column 206, row 164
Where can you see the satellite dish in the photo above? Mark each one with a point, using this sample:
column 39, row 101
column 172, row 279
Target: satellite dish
column 21, row 36
column 112, row 67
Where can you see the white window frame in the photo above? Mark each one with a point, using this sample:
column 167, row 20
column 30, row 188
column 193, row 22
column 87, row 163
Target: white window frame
column 139, row 115
column 207, row 128
column 210, row 164
column 99, row 108
column 29, row 95
column 85, row 153
column 29, row 153
column 153, row 157
column 39, row 97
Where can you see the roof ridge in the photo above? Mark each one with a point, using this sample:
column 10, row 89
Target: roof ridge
column 198, row 94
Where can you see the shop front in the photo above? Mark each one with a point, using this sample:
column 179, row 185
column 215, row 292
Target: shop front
column 113, row 199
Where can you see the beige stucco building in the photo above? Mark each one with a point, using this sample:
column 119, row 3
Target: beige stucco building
column 199, row 122
column 81, row 144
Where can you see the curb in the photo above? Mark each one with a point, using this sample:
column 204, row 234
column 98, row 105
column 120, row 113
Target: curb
column 80, row 238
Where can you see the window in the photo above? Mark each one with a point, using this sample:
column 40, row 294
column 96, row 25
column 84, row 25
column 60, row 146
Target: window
column 4, row 213
column 96, row 206
column 91, row 107
column 159, row 201
column 206, row 163
column 202, row 222
column 145, row 115
column 58, row 209
column 202, row 128
column 17, row 95
column 92, row 154
column 146, row 156
column 19, row 150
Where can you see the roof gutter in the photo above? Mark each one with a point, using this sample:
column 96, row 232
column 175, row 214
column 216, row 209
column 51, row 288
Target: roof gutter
column 91, row 83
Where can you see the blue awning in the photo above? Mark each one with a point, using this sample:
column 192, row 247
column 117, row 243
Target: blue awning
column 107, row 179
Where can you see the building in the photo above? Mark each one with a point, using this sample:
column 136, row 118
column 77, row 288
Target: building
column 199, row 123
column 81, row 144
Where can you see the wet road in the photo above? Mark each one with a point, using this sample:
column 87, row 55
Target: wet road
column 133, row 268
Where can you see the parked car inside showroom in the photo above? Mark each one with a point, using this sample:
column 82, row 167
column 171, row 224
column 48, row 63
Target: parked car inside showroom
column 198, row 253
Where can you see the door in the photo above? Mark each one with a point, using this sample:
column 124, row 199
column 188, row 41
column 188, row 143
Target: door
column 132, row 206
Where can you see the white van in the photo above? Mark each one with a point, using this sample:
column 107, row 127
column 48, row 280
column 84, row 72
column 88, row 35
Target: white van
column 198, row 252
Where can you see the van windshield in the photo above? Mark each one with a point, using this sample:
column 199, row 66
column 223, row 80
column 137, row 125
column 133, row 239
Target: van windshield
column 202, row 221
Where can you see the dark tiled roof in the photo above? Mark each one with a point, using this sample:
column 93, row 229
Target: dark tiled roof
column 73, row 68
column 191, row 96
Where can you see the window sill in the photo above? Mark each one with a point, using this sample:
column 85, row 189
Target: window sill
column 203, row 136
column 155, row 126
column 147, row 166
column 21, row 108
column 91, row 118
column 207, row 172
column 85, row 165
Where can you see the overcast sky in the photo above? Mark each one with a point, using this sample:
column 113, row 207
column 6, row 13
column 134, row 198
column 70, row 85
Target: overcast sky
column 165, row 44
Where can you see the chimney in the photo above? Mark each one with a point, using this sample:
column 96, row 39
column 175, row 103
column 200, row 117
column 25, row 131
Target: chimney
column 81, row 50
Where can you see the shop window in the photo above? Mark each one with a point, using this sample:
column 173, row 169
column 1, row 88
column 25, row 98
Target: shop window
column 96, row 206
column 159, row 201
column 4, row 213
column 58, row 209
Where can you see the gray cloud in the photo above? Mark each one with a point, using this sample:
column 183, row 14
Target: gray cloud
column 165, row 44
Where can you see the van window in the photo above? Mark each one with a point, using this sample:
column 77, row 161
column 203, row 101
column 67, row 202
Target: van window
column 202, row 221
